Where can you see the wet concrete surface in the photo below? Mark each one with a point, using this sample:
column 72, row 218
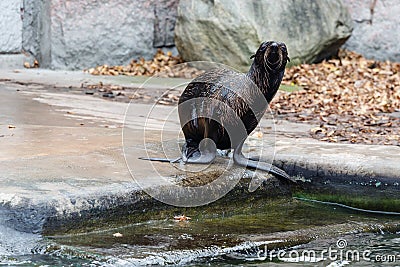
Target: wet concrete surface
column 62, row 155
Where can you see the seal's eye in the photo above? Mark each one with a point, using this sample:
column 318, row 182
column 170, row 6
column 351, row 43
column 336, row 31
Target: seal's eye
column 264, row 46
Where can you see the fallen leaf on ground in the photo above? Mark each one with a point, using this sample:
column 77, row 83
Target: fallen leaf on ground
column 182, row 218
column 117, row 235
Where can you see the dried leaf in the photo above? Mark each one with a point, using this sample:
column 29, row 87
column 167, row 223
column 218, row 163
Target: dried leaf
column 117, row 235
column 182, row 218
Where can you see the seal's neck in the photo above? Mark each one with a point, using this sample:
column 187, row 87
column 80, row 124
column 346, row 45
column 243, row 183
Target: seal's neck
column 267, row 80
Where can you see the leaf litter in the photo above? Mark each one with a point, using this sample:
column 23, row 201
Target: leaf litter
column 162, row 65
column 351, row 98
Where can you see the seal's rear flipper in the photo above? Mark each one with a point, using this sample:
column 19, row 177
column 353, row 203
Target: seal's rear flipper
column 162, row 159
column 241, row 160
column 263, row 166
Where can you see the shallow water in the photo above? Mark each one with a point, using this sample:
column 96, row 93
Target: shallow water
column 366, row 249
column 257, row 233
column 385, row 246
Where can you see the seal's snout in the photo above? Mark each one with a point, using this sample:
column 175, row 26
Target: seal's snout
column 274, row 46
column 273, row 53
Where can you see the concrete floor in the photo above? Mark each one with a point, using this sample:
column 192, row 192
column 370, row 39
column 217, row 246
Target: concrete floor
column 63, row 153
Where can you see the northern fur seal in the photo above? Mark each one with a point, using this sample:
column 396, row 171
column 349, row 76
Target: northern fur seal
column 221, row 107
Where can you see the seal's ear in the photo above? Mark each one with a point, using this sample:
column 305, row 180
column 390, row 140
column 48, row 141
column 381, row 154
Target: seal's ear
column 252, row 56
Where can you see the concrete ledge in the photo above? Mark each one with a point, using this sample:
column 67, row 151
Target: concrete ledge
column 110, row 205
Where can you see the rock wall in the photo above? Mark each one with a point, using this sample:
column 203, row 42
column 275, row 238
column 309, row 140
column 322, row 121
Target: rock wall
column 376, row 32
column 35, row 35
column 78, row 34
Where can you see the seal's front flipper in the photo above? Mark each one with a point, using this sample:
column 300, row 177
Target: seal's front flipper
column 162, row 159
column 201, row 158
column 204, row 153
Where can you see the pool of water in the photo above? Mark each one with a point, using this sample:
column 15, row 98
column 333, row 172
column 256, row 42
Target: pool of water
column 366, row 249
column 287, row 232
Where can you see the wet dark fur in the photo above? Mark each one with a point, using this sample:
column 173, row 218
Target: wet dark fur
column 241, row 92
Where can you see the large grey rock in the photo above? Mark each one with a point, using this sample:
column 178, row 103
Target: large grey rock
column 229, row 32
column 376, row 32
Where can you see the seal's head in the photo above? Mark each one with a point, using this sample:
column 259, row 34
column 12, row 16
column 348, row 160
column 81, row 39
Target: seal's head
column 272, row 55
